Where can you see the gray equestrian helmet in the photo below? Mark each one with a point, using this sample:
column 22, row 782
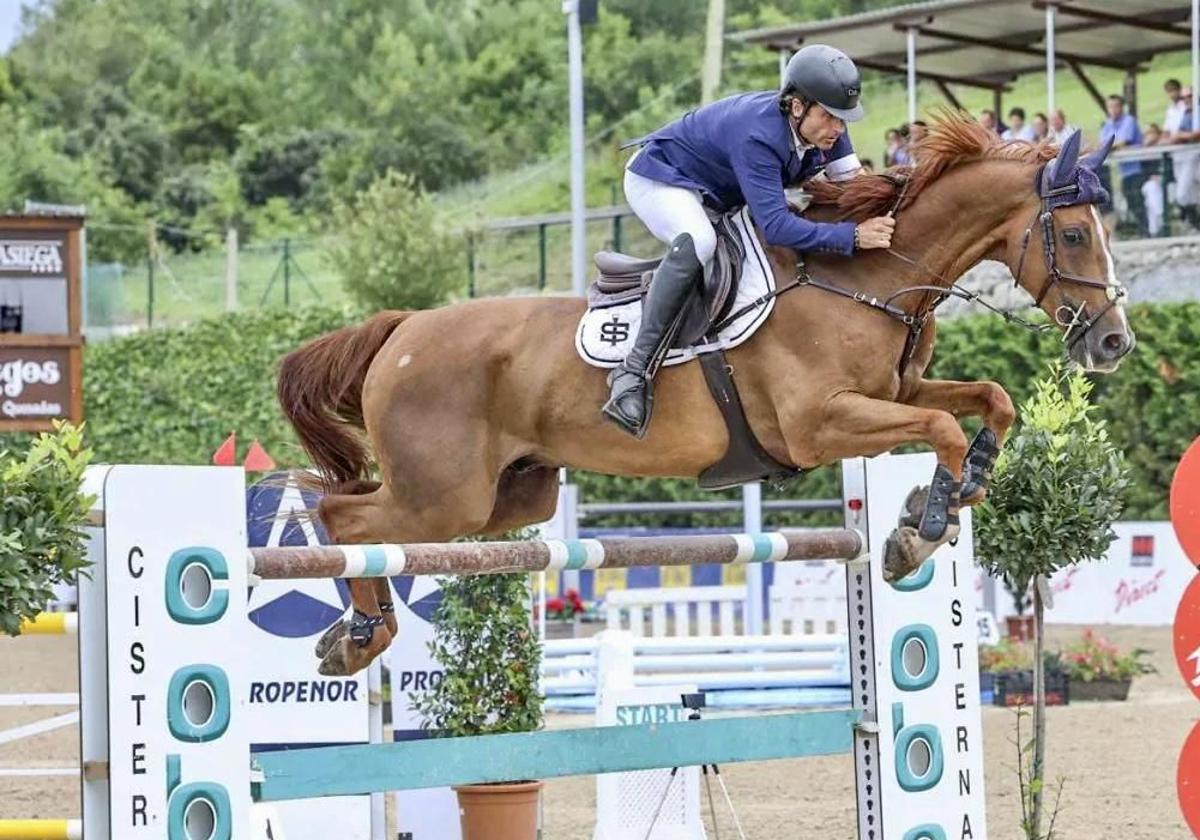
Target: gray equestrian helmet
column 824, row 75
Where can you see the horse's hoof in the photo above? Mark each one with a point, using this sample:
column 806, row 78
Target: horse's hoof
column 347, row 657
column 902, row 554
column 329, row 638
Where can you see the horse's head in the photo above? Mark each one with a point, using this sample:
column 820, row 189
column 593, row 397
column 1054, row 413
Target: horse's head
column 1074, row 282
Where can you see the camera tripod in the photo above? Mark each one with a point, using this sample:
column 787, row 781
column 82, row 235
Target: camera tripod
column 694, row 703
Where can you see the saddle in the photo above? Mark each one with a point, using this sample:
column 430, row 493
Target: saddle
column 623, row 278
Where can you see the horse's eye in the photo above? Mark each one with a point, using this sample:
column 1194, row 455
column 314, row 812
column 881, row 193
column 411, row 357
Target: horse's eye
column 1072, row 236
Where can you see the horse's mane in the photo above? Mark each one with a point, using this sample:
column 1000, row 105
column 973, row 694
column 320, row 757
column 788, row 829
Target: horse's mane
column 954, row 138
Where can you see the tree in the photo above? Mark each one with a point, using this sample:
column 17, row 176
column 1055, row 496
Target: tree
column 1059, row 485
column 392, row 252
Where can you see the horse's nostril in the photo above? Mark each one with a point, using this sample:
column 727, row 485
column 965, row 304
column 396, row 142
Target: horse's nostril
column 1115, row 344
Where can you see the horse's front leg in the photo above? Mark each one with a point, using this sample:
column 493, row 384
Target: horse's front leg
column 972, row 399
column 851, row 425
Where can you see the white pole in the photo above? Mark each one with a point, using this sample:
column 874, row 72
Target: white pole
column 231, row 270
column 784, row 56
column 1050, row 62
column 714, row 42
column 578, row 199
column 1195, row 61
column 912, row 74
column 375, row 736
column 752, row 524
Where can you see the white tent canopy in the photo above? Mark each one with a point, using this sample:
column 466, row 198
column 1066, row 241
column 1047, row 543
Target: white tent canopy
column 989, row 43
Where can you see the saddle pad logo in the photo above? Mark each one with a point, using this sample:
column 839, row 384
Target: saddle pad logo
column 605, row 336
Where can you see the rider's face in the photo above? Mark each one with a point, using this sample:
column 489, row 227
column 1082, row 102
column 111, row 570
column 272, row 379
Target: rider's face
column 820, row 127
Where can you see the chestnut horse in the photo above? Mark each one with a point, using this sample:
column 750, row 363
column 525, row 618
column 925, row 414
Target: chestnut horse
column 471, row 409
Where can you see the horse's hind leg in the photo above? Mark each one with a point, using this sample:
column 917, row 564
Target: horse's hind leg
column 526, row 495
column 368, row 632
column 378, row 517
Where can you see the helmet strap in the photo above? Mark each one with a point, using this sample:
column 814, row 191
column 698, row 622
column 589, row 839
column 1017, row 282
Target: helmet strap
column 800, row 122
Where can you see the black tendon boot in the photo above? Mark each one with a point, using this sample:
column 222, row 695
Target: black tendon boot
column 630, row 392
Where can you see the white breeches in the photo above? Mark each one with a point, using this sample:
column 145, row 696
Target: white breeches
column 667, row 212
column 1186, row 164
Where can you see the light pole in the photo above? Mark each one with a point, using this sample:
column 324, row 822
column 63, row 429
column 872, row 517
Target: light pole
column 578, row 198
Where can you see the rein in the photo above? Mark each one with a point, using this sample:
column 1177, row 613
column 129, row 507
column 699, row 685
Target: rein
column 1076, row 328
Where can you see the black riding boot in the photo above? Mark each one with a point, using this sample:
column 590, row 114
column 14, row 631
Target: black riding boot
column 631, row 395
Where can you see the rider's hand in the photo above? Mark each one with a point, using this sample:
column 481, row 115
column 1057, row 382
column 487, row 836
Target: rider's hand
column 875, row 233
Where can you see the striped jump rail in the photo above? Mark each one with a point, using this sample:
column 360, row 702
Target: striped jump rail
column 41, row 830
column 387, row 560
column 51, row 624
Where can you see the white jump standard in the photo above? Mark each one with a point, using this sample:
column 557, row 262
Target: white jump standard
column 166, row 744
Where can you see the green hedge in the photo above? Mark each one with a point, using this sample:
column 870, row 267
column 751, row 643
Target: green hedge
column 171, row 396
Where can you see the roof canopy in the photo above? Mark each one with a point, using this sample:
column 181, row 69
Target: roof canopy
column 988, row 43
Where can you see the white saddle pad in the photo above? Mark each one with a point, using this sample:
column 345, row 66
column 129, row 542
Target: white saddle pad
column 606, row 335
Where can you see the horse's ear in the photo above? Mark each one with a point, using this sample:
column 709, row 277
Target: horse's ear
column 1064, row 164
column 1096, row 159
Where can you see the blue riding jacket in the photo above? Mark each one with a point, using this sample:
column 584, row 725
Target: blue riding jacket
column 741, row 151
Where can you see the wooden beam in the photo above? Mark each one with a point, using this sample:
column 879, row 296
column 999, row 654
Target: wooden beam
column 1088, row 84
column 969, row 81
column 1118, row 20
column 1008, row 46
column 949, row 94
column 440, row 762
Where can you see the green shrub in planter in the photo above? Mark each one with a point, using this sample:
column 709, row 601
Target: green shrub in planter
column 489, row 655
column 42, row 515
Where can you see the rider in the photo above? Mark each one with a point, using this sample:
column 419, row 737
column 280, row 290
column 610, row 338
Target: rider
column 742, row 150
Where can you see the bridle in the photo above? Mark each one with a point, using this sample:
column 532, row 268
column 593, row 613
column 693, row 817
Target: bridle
column 1076, row 329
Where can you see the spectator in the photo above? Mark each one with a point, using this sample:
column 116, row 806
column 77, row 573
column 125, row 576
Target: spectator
column 1175, row 108
column 1152, row 136
column 902, row 156
column 917, row 129
column 893, row 143
column 1017, row 130
column 1125, row 133
column 987, row 119
column 1060, row 129
column 1041, row 128
column 1186, row 165
column 1152, row 197
column 867, row 164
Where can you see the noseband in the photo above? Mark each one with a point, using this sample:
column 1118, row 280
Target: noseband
column 1076, row 328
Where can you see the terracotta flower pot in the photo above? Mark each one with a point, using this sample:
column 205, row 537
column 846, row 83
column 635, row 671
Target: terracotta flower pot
column 1020, row 627
column 499, row 812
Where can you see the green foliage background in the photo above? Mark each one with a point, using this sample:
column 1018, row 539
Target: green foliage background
column 170, row 396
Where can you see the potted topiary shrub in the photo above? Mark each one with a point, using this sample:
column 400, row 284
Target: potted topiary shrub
column 1059, row 485
column 1098, row 670
column 43, row 512
column 489, row 655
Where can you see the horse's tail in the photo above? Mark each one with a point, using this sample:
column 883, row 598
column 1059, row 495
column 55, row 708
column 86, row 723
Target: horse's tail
column 320, row 390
